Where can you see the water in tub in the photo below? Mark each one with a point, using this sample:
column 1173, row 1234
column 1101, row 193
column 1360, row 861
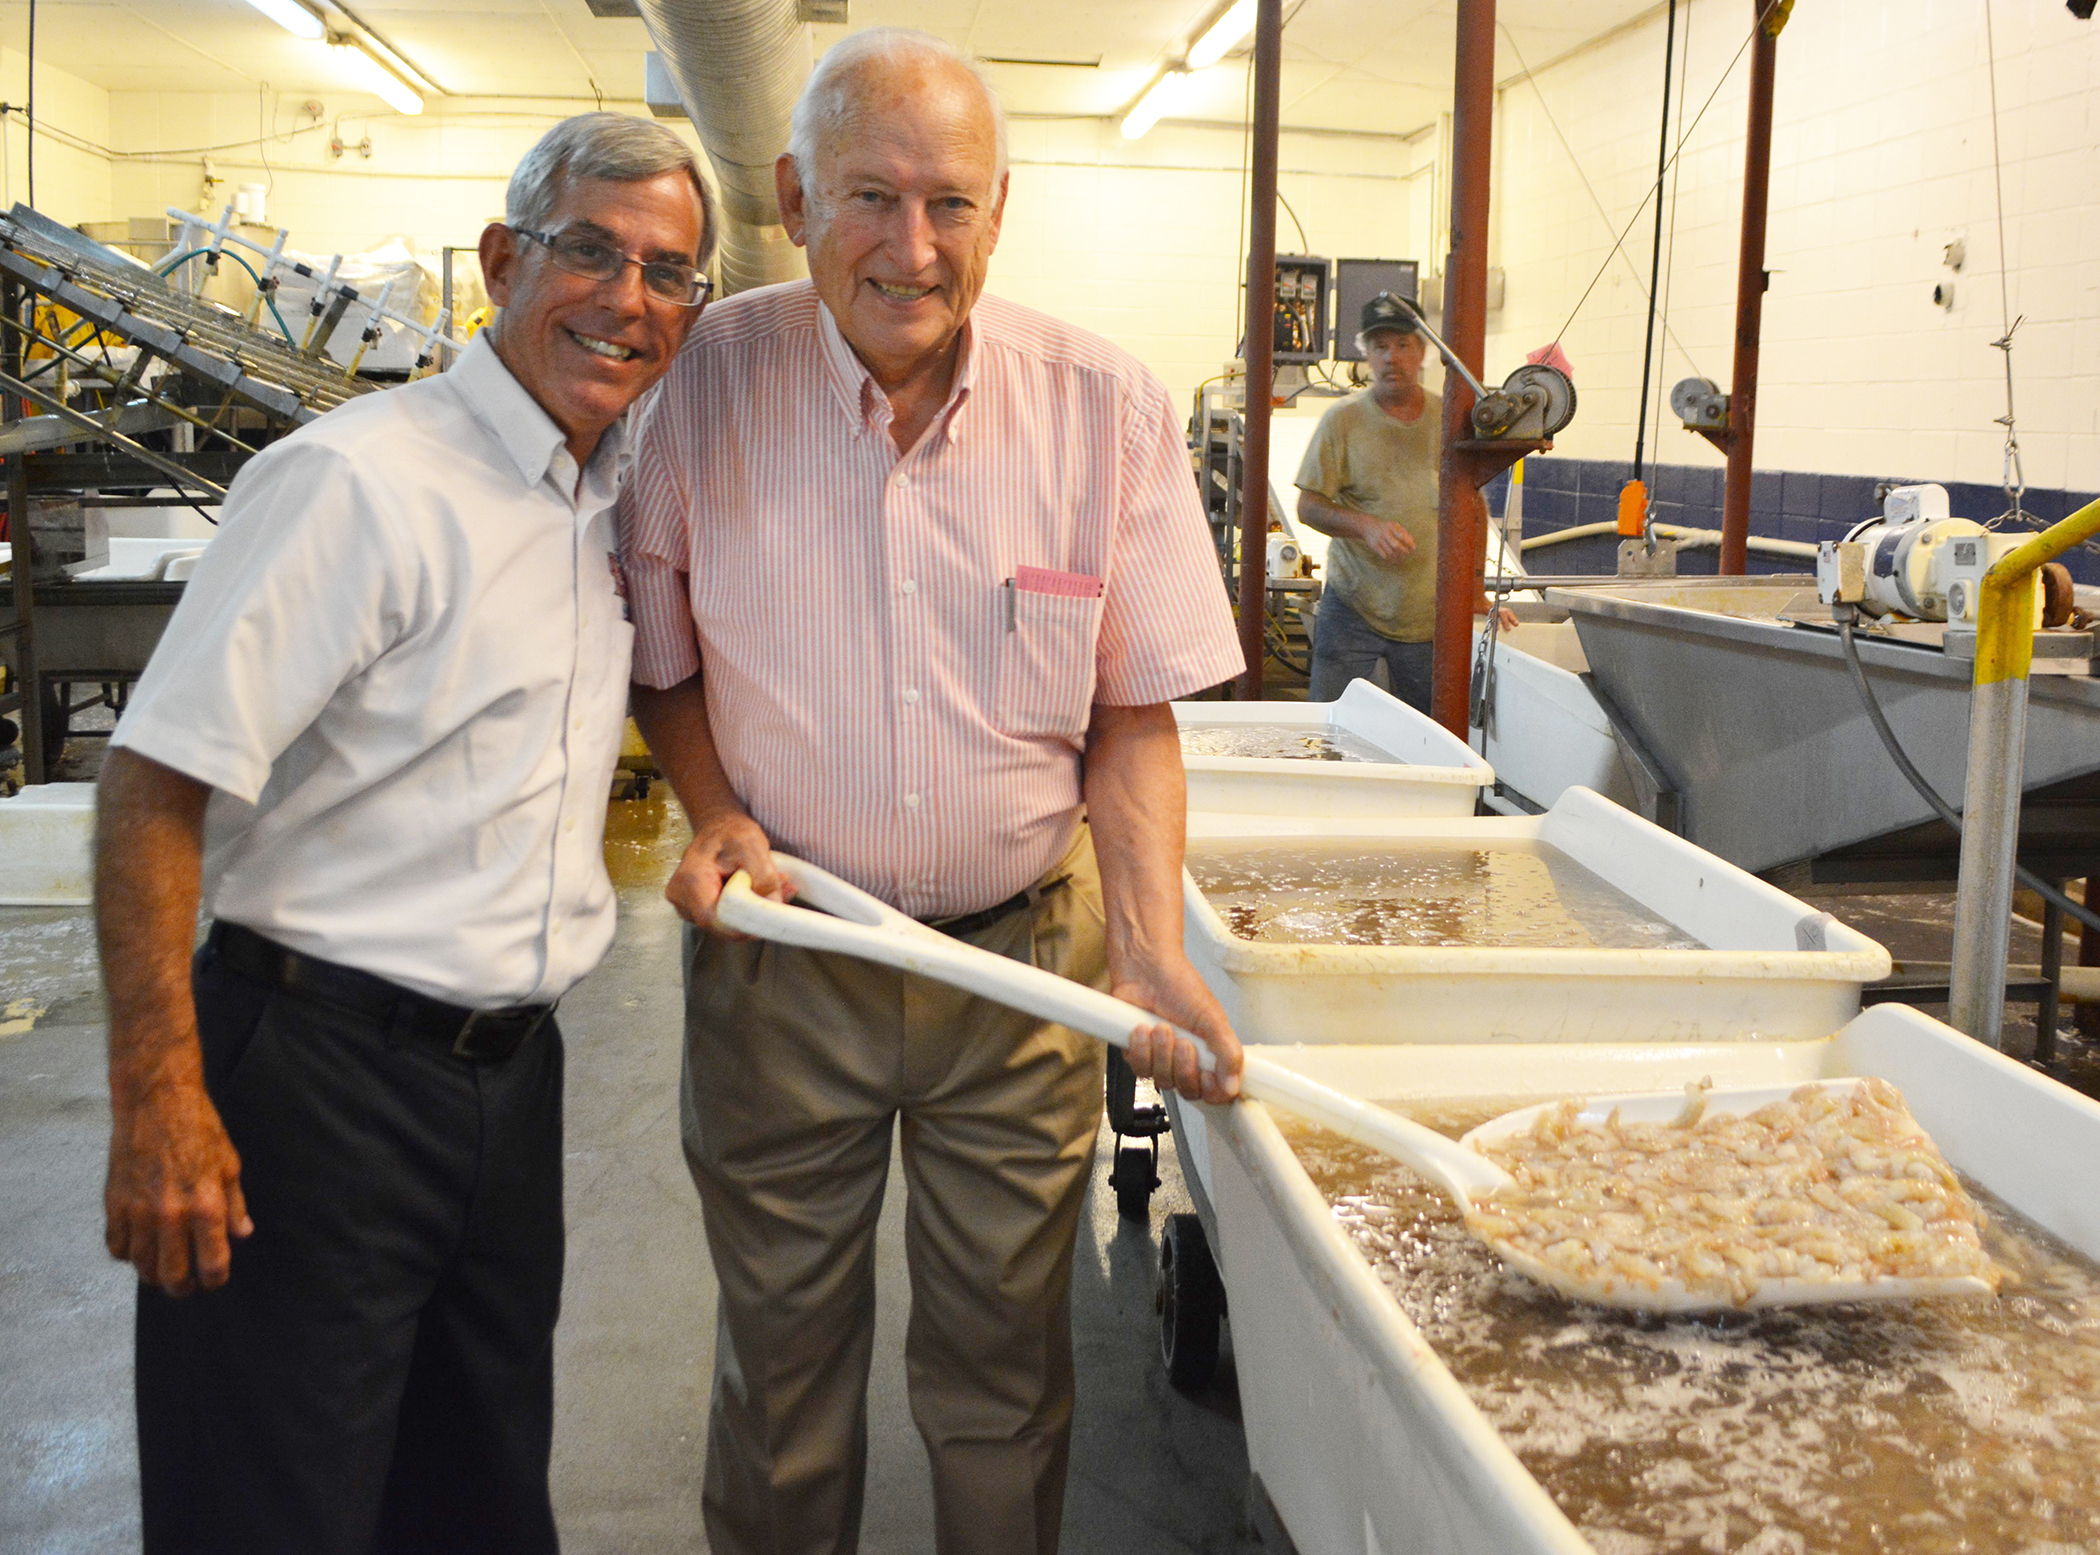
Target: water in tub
column 1521, row 896
column 1929, row 1428
column 1280, row 742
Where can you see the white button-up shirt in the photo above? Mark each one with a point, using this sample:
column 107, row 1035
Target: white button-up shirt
column 402, row 665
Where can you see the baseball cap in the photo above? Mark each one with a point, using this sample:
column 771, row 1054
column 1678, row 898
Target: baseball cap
column 1385, row 311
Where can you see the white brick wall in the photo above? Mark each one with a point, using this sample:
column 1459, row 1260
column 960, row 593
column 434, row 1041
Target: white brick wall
column 1881, row 156
column 1142, row 242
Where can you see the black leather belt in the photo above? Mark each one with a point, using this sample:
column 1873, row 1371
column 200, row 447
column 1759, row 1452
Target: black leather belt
column 973, row 922
column 479, row 1036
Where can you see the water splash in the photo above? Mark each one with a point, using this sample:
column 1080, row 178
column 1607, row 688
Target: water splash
column 1936, row 1428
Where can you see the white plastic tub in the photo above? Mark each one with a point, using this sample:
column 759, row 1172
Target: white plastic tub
column 1363, row 1439
column 1431, row 772
column 1546, row 733
column 1776, row 968
column 47, row 844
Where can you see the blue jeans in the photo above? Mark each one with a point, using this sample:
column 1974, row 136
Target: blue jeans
column 1345, row 649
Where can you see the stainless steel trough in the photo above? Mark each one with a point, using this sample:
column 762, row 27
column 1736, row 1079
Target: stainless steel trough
column 1755, row 722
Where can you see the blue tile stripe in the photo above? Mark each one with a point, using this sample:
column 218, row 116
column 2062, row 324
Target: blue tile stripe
column 1784, row 504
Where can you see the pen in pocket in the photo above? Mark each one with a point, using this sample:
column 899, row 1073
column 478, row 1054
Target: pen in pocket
column 1011, row 603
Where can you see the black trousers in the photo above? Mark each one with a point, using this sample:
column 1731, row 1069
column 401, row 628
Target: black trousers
column 377, row 1375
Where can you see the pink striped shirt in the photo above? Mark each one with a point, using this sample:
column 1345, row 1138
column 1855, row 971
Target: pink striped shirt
column 902, row 654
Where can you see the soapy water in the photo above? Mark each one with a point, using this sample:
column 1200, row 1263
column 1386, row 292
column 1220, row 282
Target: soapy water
column 1281, row 742
column 1527, row 896
column 1925, row 1428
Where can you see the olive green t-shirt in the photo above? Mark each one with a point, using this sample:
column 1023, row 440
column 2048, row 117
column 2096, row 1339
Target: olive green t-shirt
column 1360, row 457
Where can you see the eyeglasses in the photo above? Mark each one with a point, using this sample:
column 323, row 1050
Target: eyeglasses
column 597, row 260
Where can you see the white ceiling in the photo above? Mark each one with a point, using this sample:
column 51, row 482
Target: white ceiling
column 1378, row 65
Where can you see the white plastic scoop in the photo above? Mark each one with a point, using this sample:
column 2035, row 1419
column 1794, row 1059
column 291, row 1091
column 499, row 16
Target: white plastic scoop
column 856, row 924
column 861, row 925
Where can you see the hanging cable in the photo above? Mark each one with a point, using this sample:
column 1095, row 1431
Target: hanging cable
column 1684, row 135
column 1846, row 614
column 2013, row 473
column 1618, row 245
column 29, row 109
column 1304, row 243
column 1669, row 274
column 1662, row 167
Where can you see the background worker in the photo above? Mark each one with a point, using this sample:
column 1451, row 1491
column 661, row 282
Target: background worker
column 916, row 573
column 1369, row 480
column 378, row 737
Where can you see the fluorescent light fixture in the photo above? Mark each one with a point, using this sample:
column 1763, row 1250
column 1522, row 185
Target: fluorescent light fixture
column 1222, row 36
column 293, row 17
column 378, row 79
column 1155, row 102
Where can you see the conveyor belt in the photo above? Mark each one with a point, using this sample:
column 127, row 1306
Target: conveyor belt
column 204, row 340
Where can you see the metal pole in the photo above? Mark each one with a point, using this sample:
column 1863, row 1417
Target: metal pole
column 1461, row 527
column 23, row 567
column 1261, row 350
column 2053, row 975
column 1750, row 283
column 1990, row 828
column 2088, row 1015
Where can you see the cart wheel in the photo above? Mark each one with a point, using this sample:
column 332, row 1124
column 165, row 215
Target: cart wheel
column 1134, row 1176
column 1191, row 1304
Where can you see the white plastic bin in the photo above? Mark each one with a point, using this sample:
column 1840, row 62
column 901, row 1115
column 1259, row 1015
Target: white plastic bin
column 1776, row 968
column 1431, row 772
column 1546, row 733
column 47, row 845
column 1363, row 1439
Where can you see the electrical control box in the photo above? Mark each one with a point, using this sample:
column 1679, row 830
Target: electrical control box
column 1356, row 282
column 1301, row 310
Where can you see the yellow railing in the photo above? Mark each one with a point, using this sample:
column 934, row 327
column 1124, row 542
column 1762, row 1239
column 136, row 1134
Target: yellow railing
column 2005, row 613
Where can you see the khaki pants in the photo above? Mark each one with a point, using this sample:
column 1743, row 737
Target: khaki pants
column 798, row 1064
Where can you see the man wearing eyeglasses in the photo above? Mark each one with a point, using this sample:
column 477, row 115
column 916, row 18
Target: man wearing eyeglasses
column 377, row 738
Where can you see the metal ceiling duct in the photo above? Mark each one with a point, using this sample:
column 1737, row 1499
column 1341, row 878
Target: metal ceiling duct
column 739, row 64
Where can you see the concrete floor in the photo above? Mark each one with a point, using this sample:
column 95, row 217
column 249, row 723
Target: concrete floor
column 1151, row 1470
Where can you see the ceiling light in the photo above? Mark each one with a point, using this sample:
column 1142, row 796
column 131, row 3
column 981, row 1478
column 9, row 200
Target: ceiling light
column 378, row 79
column 1223, row 35
column 293, row 17
column 1154, row 103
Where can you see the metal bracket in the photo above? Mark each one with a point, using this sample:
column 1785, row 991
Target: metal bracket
column 1656, row 793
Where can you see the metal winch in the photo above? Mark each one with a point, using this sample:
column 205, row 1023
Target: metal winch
column 1533, row 403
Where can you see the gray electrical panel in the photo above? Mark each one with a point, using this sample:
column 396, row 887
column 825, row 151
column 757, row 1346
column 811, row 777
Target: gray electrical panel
column 1301, row 310
column 1356, row 282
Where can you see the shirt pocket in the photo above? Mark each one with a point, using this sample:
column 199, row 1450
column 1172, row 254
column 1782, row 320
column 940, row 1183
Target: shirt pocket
column 1044, row 680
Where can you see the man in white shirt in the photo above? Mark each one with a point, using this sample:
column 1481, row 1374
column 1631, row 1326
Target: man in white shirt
column 378, row 738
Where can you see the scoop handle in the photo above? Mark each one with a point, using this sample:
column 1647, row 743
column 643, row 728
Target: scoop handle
column 856, row 924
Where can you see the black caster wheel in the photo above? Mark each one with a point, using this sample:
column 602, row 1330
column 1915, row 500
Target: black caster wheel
column 1191, row 1304
column 1134, row 1176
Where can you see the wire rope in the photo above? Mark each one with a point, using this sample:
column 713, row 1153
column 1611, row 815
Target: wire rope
column 1669, row 274
column 1588, row 188
column 1662, row 168
column 1684, row 136
column 2014, row 474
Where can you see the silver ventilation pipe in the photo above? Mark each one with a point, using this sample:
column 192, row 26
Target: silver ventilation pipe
column 738, row 65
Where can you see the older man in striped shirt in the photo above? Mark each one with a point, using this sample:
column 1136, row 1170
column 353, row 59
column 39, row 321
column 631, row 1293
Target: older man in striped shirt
column 915, row 575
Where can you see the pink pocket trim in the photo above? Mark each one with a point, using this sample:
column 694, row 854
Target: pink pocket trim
column 1069, row 585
